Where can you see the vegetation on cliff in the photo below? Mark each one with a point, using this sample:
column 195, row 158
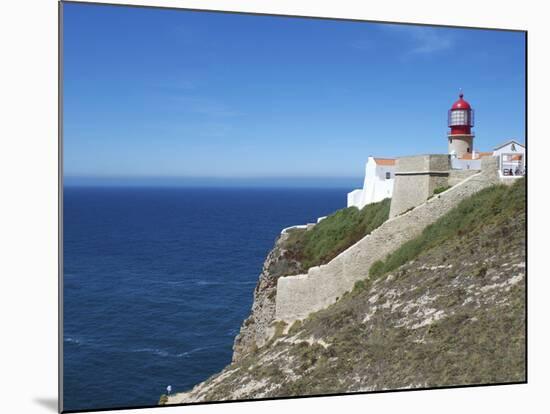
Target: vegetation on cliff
column 492, row 206
column 334, row 234
column 295, row 252
column 449, row 310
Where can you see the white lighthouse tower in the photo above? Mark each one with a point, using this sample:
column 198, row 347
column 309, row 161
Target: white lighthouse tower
column 461, row 121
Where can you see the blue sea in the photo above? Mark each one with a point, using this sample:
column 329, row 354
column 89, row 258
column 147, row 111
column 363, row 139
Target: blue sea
column 157, row 282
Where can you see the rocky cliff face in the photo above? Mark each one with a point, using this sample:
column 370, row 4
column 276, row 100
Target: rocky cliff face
column 257, row 329
column 454, row 315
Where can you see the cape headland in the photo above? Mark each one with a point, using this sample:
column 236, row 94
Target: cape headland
column 424, row 290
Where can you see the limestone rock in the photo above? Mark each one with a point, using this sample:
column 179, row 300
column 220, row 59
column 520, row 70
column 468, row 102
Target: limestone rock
column 254, row 330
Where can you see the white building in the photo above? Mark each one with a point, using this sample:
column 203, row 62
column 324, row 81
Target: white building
column 511, row 159
column 378, row 183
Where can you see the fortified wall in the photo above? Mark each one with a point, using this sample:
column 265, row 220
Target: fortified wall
column 416, row 178
column 456, row 176
column 298, row 296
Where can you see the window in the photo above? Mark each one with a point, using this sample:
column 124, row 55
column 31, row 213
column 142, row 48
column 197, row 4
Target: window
column 468, row 149
column 513, row 147
column 459, row 117
column 388, row 176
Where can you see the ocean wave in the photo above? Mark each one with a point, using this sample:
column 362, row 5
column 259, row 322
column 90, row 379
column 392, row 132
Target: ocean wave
column 166, row 354
column 169, row 282
column 206, row 283
column 201, row 282
column 155, row 351
column 72, row 340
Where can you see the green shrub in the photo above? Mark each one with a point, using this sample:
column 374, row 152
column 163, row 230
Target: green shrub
column 336, row 233
column 377, row 268
column 359, row 286
column 295, row 327
column 279, row 328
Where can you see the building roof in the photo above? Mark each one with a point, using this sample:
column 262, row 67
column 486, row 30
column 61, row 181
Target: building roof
column 476, row 155
column 384, row 161
column 509, row 142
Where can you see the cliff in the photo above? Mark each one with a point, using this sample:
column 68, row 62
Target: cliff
column 256, row 329
column 445, row 308
column 296, row 251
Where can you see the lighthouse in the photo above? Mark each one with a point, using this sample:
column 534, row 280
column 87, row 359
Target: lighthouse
column 461, row 121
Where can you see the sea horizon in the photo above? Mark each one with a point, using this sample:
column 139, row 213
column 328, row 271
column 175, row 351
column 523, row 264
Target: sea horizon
column 216, row 182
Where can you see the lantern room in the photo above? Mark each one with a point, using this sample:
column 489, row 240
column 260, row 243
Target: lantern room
column 461, row 117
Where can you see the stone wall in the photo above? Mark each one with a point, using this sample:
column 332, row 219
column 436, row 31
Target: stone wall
column 298, row 296
column 456, row 176
column 416, row 178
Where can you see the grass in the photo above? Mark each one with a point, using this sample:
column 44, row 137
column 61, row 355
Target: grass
column 279, row 329
column 335, row 234
column 490, row 206
column 295, row 327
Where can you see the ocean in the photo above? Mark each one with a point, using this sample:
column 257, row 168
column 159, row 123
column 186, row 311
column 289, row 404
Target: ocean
column 157, row 282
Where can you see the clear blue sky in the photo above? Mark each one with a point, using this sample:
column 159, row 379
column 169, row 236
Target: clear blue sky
column 151, row 93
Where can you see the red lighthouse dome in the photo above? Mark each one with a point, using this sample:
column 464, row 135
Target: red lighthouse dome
column 461, row 117
column 461, row 103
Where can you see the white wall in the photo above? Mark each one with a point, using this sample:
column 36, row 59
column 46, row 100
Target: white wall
column 375, row 186
column 383, row 187
column 460, row 164
column 354, row 198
